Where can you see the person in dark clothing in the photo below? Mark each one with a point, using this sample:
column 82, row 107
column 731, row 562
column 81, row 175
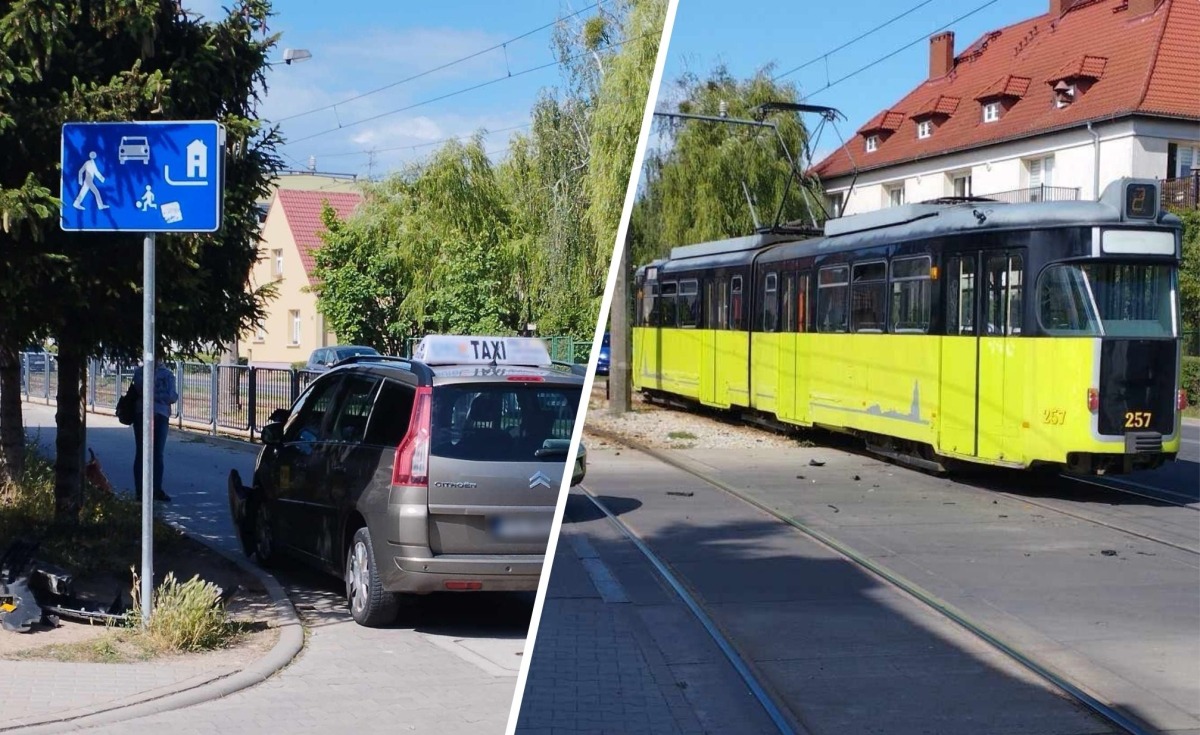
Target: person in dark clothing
column 165, row 395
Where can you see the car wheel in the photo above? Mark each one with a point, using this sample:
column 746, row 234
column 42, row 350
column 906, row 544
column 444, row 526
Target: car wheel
column 264, row 534
column 369, row 604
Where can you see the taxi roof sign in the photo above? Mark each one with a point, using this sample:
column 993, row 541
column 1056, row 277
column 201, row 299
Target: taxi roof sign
column 444, row 349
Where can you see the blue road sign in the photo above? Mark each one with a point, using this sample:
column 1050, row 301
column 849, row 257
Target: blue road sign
column 142, row 176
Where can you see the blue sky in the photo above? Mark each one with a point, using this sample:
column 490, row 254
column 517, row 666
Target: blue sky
column 379, row 42
column 747, row 34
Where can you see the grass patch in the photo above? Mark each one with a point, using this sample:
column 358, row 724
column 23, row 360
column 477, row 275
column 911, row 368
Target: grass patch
column 106, row 537
column 188, row 616
column 677, row 435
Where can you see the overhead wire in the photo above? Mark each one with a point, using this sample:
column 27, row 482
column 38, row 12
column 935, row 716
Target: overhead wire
column 464, row 90
column 851, row 42
column 447, row 65
column 427, row 144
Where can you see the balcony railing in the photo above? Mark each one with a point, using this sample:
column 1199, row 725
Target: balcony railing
column 1041, row 193
column 1182, row 193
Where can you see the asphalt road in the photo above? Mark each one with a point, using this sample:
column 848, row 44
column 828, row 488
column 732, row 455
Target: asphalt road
column 1112, row 609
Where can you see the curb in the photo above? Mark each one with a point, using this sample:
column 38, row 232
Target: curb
column 290, row 643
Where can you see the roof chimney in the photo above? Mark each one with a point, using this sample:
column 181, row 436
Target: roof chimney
column 941, row 54
column 1058, row 7
column 1142, row 7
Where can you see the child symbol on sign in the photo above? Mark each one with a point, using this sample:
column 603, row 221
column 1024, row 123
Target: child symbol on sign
column 147, row 202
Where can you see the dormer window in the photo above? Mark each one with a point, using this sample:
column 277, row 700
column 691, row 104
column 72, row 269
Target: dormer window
column 924, row 129
column 872, row 143
column 991, row 112
column 1064, row 94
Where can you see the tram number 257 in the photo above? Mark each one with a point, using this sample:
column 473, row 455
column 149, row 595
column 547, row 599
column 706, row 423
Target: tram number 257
column 1137, row 419
column 1054, row 416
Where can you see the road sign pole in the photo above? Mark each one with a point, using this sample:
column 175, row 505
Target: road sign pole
column 148, row 380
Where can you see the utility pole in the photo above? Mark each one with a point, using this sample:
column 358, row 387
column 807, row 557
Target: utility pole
column 619, row 371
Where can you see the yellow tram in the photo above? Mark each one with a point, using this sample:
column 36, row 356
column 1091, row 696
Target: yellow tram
column 1021, row 335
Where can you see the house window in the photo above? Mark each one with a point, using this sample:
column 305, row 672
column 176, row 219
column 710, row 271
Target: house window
column 895, row 195
column 1041, row 174
column 961, row 185
column 294, row 316
column 277, row 262
column 1064, row 94
column 833, row 204
column 260, row 333
column 872, row 143
column 924, row 128
column 991, row 112
column 1182, row 158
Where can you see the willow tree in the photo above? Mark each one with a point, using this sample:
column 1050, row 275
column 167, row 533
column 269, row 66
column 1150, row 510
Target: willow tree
column 110, row 60
column 692, row 187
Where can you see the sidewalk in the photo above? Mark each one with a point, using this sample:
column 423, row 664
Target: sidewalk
column 618, row 652
column 62, row 695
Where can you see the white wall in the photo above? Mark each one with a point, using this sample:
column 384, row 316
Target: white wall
column 1128, row 147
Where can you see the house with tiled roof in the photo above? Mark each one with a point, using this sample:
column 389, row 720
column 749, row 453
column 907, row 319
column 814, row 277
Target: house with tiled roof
column 291, row 229
column 1052, row 107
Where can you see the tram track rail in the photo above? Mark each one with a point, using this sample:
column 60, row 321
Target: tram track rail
column 1064, row 684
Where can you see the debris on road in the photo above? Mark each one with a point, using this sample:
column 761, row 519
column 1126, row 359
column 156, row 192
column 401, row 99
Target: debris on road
column 816, row 463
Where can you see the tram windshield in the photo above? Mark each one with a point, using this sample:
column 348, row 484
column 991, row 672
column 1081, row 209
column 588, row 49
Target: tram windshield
column 1107, row 299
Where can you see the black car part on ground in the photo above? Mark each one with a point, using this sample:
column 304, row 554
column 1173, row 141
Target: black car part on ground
column 33, row 591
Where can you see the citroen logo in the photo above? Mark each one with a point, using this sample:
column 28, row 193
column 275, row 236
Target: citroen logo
column 539, row 478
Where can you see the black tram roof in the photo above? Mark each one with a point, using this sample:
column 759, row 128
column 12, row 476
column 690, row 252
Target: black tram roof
column 919, row 222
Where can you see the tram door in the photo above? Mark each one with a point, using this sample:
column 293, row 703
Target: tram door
column 708, row 343
column 980, row 390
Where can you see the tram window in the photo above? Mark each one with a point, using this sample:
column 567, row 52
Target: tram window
column 832, row 288
column 770, row 310
column 802, row 303
column 735, row 303
column 911, row 295
column 722, row 304
column 1002, row 284
column 868, row 297
column 1064, row 302
column 710, row 305
column 649, row 316
column 689, row 303
column 666, row 305
column 960, row 296
column 788, row 303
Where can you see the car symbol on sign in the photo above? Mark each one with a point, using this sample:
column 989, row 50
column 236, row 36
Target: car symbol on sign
column 133, row 148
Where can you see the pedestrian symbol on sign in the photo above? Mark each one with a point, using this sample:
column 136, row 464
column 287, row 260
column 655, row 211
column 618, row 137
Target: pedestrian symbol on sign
column 88, row 173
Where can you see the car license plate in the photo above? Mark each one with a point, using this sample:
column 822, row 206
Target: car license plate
column 521, row 528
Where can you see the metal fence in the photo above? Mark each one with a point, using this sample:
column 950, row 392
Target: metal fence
column 1182, row 192
column 1040, row 193
column 231, row 397
column 237, row 398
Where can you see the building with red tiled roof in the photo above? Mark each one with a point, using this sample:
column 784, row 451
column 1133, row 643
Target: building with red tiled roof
column 1055, row 106
column 291, row 229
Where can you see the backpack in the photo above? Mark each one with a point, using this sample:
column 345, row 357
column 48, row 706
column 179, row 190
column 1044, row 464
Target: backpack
column 127, row 406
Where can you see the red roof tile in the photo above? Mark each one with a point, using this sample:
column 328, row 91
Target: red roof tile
column 888, row 120
column 939, row 105
column 303, row 211
column 1006, row 86
column 1087, row 67
column 1144, row 64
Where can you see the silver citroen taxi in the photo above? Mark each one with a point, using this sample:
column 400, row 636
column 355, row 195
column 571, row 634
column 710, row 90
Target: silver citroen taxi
column 431, row 474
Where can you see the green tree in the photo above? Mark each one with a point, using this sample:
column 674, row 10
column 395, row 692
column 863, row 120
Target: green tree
column 1189, row 272
column 121, row 60
column 692, row 191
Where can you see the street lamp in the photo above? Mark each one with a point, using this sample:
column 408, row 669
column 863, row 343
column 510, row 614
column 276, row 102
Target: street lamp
column 292, row 54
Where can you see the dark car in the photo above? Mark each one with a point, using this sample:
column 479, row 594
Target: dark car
column 603, row 358
column 324, row 358
column 439, row 473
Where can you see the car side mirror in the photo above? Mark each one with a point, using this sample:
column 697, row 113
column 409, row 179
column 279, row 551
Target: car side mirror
column 580, row 470
column 279, row 416
column 272, row 433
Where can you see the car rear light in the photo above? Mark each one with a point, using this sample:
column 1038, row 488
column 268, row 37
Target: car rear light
column 1181, row 401
column 1093, row 399
column 412, row 456
column 527, row 378
column 458, row 585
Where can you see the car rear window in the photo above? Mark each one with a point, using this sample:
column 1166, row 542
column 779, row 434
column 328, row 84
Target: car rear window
column 502, row 422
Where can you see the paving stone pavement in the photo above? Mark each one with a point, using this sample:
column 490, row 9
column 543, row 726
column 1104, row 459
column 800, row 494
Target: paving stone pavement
column 448, row 665
column 617, row 651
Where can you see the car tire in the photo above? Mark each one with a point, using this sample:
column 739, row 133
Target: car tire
column 370, row 605
column 265, row 548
